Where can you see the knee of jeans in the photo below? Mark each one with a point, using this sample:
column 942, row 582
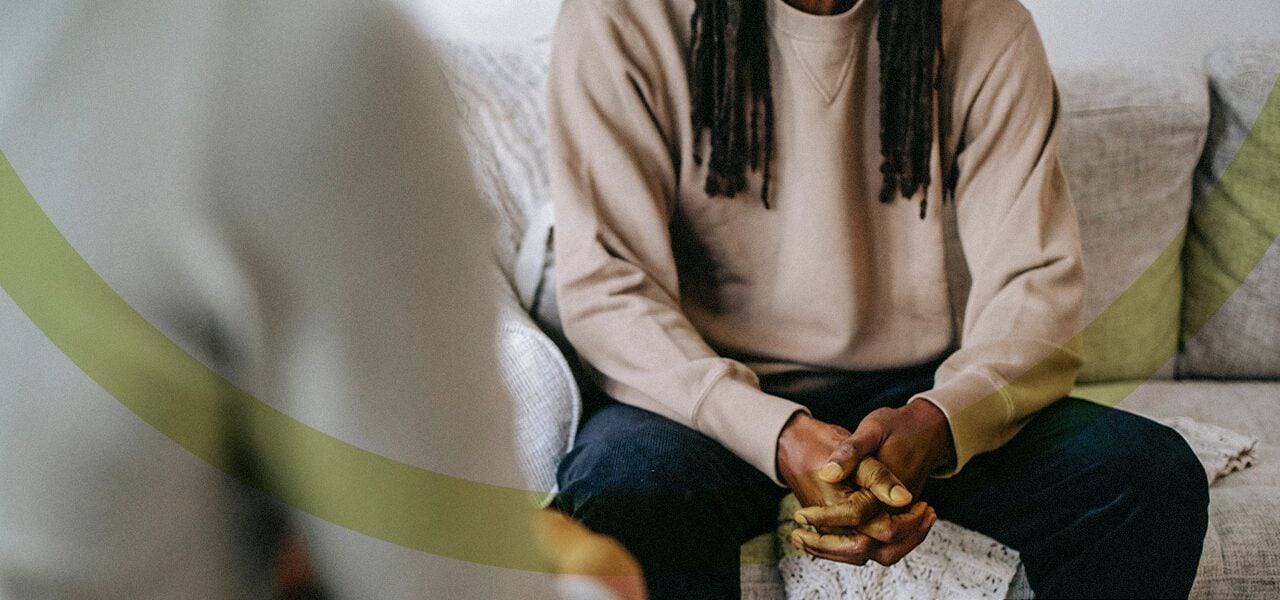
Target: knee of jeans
column 638, row 493
column 1163, row 473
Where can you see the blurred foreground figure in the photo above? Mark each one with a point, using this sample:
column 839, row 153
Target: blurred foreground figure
column 278, row 189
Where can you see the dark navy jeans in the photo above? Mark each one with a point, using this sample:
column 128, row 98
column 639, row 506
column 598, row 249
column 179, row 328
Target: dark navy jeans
column 1099, row 502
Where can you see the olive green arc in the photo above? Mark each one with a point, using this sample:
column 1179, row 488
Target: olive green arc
column 191, row 404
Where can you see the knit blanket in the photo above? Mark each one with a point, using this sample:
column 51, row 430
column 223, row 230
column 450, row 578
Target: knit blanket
column 1221, row 451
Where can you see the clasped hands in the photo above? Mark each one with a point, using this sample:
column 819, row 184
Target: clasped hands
column 857, row 489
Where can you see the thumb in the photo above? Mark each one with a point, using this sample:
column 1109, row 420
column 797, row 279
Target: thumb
column 874, row 476
column 845, row 458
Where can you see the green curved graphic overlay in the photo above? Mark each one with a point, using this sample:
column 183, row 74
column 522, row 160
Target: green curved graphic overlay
column 204, row 413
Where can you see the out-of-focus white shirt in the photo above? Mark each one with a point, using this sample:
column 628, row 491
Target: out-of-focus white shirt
column 277, row 186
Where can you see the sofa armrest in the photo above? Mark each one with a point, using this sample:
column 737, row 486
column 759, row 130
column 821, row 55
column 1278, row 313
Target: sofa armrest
column 547, row 404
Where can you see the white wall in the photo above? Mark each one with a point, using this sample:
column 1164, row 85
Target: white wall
column 488, row 20
column 1085, row 32
column 1076, row 32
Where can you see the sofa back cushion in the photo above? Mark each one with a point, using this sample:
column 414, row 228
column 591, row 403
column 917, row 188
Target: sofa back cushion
column 1131, row 137
column 500, row 90
column 1231, row 320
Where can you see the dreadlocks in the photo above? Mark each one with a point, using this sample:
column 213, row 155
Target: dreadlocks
column 733, row 103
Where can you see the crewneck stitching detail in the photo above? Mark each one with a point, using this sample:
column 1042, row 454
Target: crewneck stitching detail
column 829, row 93
column 781, row 19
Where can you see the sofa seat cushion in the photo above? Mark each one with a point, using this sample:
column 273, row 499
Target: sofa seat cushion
column 1242, row 550
column 1251, row 408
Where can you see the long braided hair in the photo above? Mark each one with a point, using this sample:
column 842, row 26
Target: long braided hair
column 733, row 100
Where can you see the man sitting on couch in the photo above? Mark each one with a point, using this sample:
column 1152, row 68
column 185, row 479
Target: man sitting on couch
column 751, row 257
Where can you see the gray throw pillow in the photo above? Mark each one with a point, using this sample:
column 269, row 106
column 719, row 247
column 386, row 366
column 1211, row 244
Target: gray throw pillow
column 1231, row 317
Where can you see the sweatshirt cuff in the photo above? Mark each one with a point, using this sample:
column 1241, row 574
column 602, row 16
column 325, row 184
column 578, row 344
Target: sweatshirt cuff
column 978, row 411
column 747, row 421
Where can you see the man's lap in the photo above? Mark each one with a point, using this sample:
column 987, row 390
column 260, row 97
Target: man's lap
column 673, row 492
column 622, row 450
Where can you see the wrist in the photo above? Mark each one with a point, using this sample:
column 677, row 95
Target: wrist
column 799, row 444
column 937, row 431
column 789, row 441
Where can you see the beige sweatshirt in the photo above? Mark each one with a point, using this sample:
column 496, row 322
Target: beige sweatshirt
column 681, row 303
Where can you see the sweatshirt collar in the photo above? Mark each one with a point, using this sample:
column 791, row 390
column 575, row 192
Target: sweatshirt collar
column 798, row 24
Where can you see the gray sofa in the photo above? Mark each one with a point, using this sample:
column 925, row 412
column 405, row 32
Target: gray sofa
column 1183, row 312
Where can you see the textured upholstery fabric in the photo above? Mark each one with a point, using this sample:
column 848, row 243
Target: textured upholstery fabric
column 1237, row 215
column 500, row 91
column 1242, row 552
column 1131, row 137
column 759, row 576
column 547, row 405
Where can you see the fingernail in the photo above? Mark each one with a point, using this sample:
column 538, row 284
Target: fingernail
column 830, row 472
column 899, row 494
column 801, row 520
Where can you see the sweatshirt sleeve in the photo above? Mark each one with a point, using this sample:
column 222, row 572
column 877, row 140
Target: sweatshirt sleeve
column 1021, row 241
column 614, row 178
